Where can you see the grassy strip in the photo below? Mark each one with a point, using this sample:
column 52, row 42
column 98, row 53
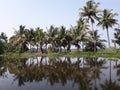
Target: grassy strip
column 22, row 55
column 111, row 54
column 107, row 54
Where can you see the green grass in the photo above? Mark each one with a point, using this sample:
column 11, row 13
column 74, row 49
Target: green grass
column 22, row 55
column 106, row 54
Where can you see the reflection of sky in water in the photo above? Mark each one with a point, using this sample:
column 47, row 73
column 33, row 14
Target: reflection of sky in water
column 9, row 84
column 7, row 81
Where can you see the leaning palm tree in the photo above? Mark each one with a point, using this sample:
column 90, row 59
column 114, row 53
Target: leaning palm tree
column 20, row 34
column 90, row 11
column 18, row 41
column 107, row 20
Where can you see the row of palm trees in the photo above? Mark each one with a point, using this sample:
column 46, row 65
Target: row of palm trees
column 57, row 38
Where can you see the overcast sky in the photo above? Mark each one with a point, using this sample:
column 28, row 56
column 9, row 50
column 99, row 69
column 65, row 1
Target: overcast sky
column 43, row 13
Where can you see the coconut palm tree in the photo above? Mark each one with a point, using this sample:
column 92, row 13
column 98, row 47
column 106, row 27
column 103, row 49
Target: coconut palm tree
column 99, row 43
column 18, row 41
column 69, row 39
column 1, row 47
column 90, row 11
column 39, row 38
column 3, row 41
column 3, row 37
column 107, row 19
column 76, row 37
column 31, row 37
column 80, row 33
column 61, row 36
column 20, row 31
column 52, row 33
column 82, row 26
column 117, row 35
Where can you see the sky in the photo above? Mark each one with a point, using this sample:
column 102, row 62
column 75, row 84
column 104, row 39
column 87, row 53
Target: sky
column 43, row 13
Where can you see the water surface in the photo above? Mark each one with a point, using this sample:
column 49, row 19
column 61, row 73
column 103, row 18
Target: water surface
column 43, row 73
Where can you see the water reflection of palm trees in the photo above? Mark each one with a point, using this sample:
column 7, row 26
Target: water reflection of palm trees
column 109, row 84
column 117, row 67
column 3, row 67
column 83, row 72
column 95, row 65
column 56, row 71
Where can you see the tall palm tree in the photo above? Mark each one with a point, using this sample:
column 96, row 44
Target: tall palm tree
column 90, row 11
column 107, row 20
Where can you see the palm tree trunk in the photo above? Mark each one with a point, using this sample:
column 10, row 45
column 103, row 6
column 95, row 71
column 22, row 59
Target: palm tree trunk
column 108, row 38
column 93, row 38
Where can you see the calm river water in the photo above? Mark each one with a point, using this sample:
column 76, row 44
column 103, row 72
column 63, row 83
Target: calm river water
column 43, row 73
